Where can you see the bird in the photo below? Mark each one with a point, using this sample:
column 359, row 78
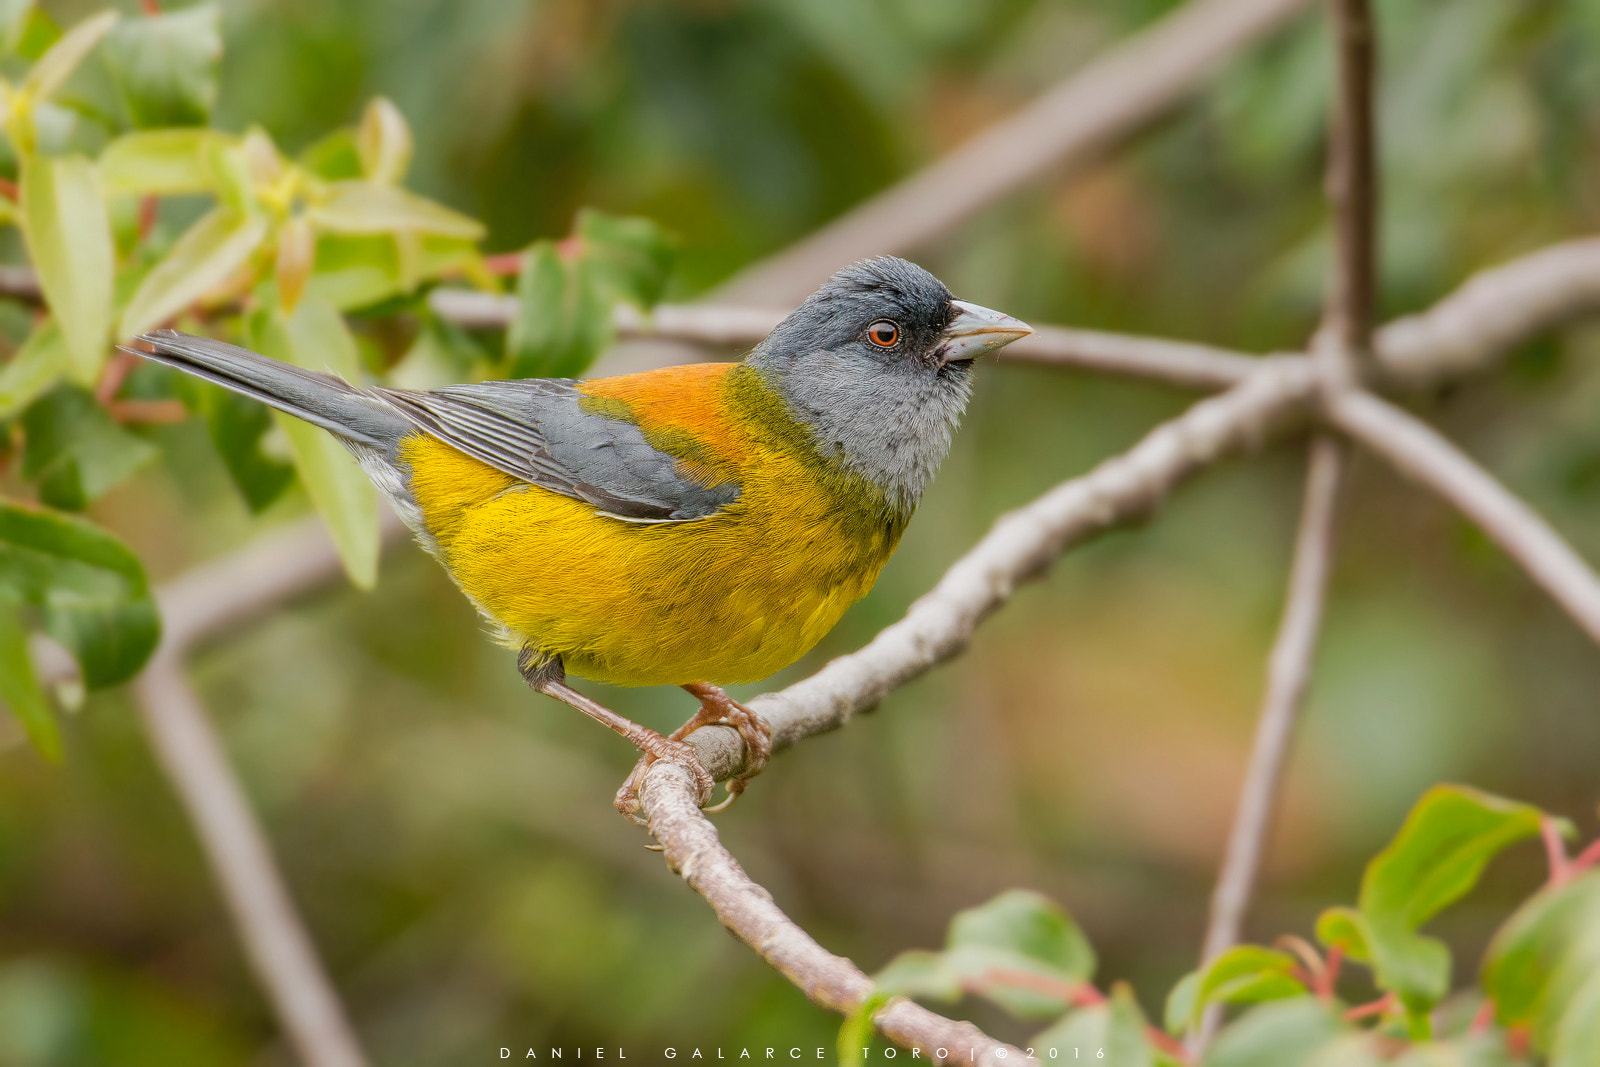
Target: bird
column 700, row 525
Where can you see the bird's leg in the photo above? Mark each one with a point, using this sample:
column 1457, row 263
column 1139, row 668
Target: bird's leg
column 550, row 678
column 717, row 708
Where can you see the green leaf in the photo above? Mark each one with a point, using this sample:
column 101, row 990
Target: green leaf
column 237, row 425
column 39, row 364
column 56, row 65
column 1542, row 956
column 1030, row 925
column 12, row 14
column 165, row 66
column 1283, row 1033
column 90, row 589
column 69, row 240
column 995, row 948
column 856, row 1031
column 562, row 321
column 1577, row 1035
column 335, row 157
column 1435, row 859
column 1440, row 852
column 919, row 973
column 363, row 207
column 1345, row 929
column 1180, row 1006
column 74, row 449
column 632, row 257
column 315, row 337
column 171, row 162
column 383, row 142
column 207, row 255
column 1244, row 974
column 1116, row 1028
column 19, row 688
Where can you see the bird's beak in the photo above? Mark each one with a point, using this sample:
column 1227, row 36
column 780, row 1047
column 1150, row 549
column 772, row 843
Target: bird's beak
column 976, row 330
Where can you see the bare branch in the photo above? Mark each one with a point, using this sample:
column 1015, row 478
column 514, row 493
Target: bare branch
column 1342, row 350
column 20, row 283
column 1175, row 362
column 1080, row 117
column 1352, row 184
column 276, row 943
column 1288, row 671
column 694, row 851
column 1426, row 457
column 1492, row 313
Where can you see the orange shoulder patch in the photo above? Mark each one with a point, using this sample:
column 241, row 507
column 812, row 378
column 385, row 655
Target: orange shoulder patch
column 682, row 410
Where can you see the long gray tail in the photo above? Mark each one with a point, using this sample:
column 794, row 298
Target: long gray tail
column 323, row 400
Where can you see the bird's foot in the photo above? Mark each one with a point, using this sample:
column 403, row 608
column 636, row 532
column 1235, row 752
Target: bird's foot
column 651, row 749
column 717, row 708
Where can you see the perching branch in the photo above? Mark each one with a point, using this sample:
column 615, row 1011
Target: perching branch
column 1116, row 94
column 1018, row 547
column 694, row 851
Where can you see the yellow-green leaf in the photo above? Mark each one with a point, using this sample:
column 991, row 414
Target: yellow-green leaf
column 57, row 65
column 383, row 141
column 39, row 363
column 315, row 337
column 366, row 207
column 69, row 240
column 171, row 162
column 206, row 256
column 19, row 687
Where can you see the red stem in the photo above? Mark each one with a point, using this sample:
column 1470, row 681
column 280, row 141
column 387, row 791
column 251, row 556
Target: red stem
column 147, row 216
column 151, row 7
column 504, row 264
column 1585, row 859
column 1483, row 1018
column 116, row 372
column 8, row 188
column 1371, row 1008
column 1555, row 851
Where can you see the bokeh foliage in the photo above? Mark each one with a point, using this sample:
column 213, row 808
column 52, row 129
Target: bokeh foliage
column 449, row 837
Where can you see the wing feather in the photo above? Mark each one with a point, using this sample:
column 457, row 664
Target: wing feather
column 535, row 430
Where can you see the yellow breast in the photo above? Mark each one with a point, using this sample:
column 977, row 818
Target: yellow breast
column 725, row 599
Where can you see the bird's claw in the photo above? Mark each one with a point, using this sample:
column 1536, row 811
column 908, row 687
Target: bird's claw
column 668, row 748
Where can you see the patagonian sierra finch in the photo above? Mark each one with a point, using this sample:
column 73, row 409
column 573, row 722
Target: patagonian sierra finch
column 697, row 526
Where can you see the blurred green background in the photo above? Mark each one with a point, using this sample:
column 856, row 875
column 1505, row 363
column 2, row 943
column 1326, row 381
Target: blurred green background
column 450, row 837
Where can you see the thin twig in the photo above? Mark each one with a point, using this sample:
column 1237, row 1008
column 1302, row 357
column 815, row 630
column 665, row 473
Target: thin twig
column 1119, row 92
column 694, row 851
column 1428, row 458
column 1342, row 350
column 1288, row 671
column 1175, row 362
column 1352, row 184
column 276, row 943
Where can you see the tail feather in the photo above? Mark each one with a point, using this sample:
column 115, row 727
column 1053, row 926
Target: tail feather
column 321, row 399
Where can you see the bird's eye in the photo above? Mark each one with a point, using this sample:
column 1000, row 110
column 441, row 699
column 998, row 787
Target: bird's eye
column 883, row 333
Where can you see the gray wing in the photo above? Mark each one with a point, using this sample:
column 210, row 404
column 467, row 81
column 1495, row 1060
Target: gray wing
column 534, row 430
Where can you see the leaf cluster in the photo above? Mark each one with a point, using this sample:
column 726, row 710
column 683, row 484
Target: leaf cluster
column 136, row 213
column 1537, row 999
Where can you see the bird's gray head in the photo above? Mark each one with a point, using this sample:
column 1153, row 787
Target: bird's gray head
column 878, row 365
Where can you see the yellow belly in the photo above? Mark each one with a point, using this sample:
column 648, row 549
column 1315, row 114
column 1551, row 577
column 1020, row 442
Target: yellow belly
column 730, row 598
